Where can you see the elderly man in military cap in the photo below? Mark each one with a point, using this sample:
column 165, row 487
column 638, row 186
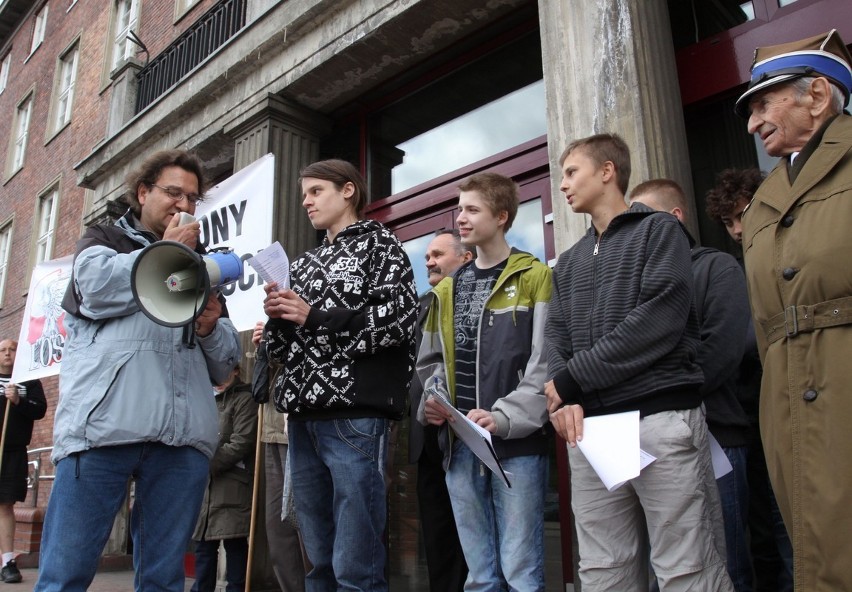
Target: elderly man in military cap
column 796, row 242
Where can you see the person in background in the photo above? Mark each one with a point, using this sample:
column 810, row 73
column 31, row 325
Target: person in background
column 444, row 557
column 282, row 536
column 344, row 336
column 771, row 551
column 226, row 510
column 730, row 197
column 800, row 285
column 721, row 303
column 134, row 400
column 26, row 403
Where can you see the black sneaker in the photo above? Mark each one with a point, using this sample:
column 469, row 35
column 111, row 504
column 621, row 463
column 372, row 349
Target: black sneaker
column 10, row 573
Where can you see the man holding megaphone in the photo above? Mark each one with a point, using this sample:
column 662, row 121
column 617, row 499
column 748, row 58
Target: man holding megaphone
column 134, row 400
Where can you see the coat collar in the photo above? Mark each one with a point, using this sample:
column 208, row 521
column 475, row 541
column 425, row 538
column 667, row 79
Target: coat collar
column 831, row 143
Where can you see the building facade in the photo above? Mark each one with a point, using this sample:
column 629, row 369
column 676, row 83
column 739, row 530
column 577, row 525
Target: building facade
column 418, row 93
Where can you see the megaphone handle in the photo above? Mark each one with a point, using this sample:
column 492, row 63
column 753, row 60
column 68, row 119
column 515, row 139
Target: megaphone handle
column 189, row 335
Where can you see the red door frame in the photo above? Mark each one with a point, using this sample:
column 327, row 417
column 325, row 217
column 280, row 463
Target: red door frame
column 719, row 64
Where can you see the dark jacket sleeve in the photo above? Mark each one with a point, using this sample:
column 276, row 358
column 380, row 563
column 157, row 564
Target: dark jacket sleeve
column 722, row 302
column 34, row 405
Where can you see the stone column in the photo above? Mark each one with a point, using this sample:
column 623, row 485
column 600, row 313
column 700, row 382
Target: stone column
column 292, row 134
column 609, row 66
column 122, row 106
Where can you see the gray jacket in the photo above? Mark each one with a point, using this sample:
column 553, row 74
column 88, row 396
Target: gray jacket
column 124, row 378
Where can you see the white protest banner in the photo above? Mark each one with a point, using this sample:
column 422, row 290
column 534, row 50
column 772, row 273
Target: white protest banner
column 237, row 213
column 43, row 328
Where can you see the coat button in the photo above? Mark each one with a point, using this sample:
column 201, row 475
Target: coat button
column 787, row 221
column 789, row 273
column 810, row 395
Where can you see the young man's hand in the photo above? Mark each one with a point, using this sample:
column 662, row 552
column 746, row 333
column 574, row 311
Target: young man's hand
column 554, row 401
column 568, row 423
column 483, row 419
column 257, row 334
column 435, row 413
column 285, row 304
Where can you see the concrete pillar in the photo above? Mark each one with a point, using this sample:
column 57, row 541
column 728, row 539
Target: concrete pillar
column 609, row 66
column 122, row 104
column 292, row 134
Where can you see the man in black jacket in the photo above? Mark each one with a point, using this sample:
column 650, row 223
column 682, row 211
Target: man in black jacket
column 622, row 337
column 27, row 404
column 721, row 303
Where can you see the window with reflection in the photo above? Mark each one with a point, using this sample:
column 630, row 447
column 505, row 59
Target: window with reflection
column 497, row 126
column 693, row 21
column 488, row 105
column 748, row 10
column 416, row 251
column 527, row 232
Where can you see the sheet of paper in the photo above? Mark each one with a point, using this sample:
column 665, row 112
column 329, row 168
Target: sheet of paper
column 645, row 459
column 273, row 265
column 477, row 438
column 611, row 445
column 721, row 463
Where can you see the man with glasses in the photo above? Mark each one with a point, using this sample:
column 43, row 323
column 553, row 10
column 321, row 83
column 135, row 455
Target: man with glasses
column 135, row 401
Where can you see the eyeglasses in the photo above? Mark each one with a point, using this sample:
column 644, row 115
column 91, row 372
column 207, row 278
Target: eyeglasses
column 179, row 195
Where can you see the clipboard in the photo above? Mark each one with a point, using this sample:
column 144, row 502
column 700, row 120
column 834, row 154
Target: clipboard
column 475, row 437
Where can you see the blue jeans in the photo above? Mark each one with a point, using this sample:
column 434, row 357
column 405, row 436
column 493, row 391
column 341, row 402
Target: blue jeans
column 337, row 467
column 733, row 493
column 88, row 491
column 207, row 563
column 501, row 529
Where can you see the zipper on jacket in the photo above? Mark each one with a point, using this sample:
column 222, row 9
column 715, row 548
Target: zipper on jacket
column 497, row 285
column 594, row 286
column 436, row 302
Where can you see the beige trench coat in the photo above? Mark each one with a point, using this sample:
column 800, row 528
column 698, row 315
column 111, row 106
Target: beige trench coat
column 797, row 242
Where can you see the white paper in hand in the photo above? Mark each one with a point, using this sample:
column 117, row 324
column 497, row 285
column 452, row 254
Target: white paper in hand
column 477, row 438
column 273, row 265
column 611, row 445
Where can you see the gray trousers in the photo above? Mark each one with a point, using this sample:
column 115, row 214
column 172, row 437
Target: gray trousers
column 673, row 503
column 285, row 551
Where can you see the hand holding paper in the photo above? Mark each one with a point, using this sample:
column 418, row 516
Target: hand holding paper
column 477, row 438
column 272, row 265
column 611, row 445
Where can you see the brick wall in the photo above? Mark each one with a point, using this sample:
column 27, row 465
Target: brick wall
column 51, row 158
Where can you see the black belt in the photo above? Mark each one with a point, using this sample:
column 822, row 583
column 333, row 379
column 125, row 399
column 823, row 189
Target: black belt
column 805, row 318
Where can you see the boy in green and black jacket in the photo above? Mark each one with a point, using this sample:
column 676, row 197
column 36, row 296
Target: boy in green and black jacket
column 483, row 350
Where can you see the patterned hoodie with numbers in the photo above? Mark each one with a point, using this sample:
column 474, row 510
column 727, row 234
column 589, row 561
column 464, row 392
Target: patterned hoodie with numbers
column 354, row 356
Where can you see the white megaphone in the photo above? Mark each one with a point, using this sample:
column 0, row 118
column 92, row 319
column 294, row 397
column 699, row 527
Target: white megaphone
column 171, row 283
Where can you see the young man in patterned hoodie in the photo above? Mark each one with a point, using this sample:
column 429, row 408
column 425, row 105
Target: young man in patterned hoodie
column 482, row 350
column 344, row 336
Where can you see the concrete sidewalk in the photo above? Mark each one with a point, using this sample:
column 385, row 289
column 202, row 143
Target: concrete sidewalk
column 105, row 581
